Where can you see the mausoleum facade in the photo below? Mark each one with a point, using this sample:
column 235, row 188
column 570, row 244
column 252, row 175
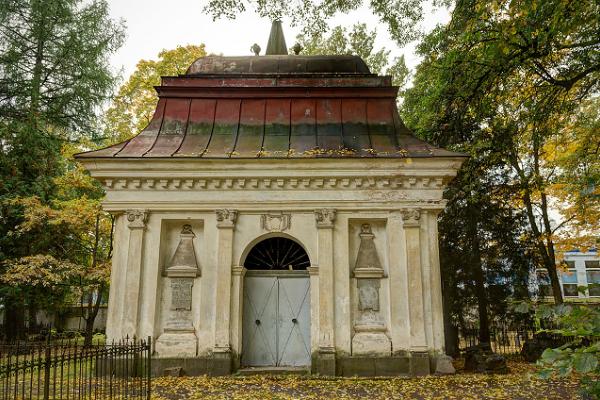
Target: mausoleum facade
column 277, row 213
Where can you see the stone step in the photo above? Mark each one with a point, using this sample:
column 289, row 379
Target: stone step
column 245, row 371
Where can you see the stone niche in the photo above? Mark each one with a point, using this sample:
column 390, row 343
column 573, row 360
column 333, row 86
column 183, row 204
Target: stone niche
column 370, row 297
column 180, row 271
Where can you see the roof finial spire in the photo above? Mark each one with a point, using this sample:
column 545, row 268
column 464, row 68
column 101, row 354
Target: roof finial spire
column 276, row 44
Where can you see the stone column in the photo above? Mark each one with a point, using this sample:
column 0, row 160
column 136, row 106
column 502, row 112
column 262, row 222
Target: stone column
column 221, row 363
column 314, row 311
column 237, row 288
column 118, row 274
column 437, row 308
column 137, row 225
column 419, row 364
column 398, row 281
column 325, row 219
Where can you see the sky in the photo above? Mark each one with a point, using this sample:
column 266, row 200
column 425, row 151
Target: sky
column 153, row 25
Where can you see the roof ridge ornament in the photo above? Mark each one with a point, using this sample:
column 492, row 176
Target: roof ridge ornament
column 276, row 44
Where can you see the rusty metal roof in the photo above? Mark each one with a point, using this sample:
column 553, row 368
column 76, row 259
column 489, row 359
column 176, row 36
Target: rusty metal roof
column 252, row 112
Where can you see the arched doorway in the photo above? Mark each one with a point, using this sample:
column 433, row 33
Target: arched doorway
column 276, row 306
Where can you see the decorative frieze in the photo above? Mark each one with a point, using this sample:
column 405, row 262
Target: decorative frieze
column 275, row 222
column 287, row 183
column 136, row 218
column 325, row 217
column 226, row 218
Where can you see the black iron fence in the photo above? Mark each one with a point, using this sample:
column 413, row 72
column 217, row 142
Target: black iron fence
column 504, row 339
column 66, row 369
column 510, row 339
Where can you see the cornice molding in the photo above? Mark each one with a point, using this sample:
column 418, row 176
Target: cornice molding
column 292, row 206
column 262, row 183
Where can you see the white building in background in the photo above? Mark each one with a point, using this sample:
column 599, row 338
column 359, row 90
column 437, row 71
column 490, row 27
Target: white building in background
column 580, row 281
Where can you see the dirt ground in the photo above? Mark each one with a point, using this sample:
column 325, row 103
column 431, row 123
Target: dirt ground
column 519, row 383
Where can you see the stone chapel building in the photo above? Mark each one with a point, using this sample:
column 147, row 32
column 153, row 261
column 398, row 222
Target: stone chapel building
column 277, row 213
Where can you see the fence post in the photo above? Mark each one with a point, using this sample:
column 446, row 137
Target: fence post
column 149, row 355
column 47, row 362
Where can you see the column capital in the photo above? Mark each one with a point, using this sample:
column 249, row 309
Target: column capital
column 411, row 217
column 226, row 218
column 325, row 217
column 137, row 218
column 238, row 270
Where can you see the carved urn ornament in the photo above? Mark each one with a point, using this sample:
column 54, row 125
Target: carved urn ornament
column 367, row 261
column 182, row 270
column 183, row 263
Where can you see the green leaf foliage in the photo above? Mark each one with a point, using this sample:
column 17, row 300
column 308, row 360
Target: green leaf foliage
column 358, row 41
column 400, row 17
column 54, row 78
column 585, row 362
column 514, row 84
column 134, row 104
column 581, row 325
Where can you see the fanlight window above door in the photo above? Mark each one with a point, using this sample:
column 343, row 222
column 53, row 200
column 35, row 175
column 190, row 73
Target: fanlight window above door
column 277, row 254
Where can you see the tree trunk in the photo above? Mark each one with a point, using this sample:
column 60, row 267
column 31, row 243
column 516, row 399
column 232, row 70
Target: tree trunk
column 545, row 247
column 479, row 277
column 92, row 313
column 32, row 325
column 14, row 321
column 89, row 331
column 546, row 250
column 450, row 331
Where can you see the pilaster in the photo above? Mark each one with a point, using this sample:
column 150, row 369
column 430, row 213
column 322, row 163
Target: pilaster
column 237, row 288
column 118, row 274
column 412, row 220
column 437, row 308
column 313, row 272
column 399, row 312
column 325, row 221
column 137, row 225
column 226, row 220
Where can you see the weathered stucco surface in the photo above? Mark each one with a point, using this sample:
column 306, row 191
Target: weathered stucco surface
column 324, row 205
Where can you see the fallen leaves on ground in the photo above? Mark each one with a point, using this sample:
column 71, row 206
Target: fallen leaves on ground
column 519, row 383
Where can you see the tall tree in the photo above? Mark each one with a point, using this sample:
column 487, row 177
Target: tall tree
column 71, row 246
column 54, row 75
column 507, row 77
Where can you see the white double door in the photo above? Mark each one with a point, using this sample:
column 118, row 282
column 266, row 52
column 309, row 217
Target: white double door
column 276, row 319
